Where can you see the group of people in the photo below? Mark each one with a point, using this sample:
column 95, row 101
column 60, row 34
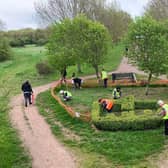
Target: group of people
column 106, row 104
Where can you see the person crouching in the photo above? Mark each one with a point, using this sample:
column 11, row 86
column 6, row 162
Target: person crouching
column 66, row 95
column 106, row 104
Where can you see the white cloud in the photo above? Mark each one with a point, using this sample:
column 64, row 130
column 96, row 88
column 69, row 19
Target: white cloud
column 19, row 14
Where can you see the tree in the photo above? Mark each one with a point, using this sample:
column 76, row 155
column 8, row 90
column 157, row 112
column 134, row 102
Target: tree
column 158, row 9
column 97, row 45
column 59, row 46
column 148, row 46
column 90, row 43
column 75, row 40
column 5, row 51
column 104, row 11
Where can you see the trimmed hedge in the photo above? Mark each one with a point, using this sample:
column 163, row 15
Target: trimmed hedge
column 127, row 119
column 147, row 104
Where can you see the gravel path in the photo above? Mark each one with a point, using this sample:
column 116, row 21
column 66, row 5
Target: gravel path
column 44, row 148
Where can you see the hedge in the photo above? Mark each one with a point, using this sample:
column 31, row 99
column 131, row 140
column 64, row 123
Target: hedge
column 147, row 104
column 126, row 121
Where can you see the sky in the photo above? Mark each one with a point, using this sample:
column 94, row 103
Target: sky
column 18, row 14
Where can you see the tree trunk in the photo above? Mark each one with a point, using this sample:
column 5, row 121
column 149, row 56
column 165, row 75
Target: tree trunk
column 147, row 86
column 97, row 71
column 79, row 68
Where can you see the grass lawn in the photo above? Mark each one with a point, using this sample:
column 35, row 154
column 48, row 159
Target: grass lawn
column 12, row 73
column 83, row 98
column 103, row 148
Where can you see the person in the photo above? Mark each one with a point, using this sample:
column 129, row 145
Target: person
column 76, row 81
column 106, row 104
column 104, row 77
column 164, row 113
column 66, row 95
column 27, row 91
column 116, row 94
column 63, row 75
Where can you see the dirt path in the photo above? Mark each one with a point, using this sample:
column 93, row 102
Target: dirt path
column 44, row 148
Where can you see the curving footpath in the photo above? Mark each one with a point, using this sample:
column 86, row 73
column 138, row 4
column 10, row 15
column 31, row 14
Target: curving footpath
column 46, row 151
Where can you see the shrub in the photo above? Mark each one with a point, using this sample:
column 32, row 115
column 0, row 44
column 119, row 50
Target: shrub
column 5, row 51
column 126, row 121
column 43, row 68
column 148, row 104
column 127, row 103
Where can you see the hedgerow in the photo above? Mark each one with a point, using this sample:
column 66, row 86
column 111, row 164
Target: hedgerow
column 128, row 119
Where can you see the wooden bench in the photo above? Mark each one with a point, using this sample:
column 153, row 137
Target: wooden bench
column 120, row 76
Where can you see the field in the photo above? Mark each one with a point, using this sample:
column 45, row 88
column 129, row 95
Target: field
column 101, row 148
column 12, row 73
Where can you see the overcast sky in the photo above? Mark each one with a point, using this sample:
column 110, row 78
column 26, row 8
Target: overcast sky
column 19, row 14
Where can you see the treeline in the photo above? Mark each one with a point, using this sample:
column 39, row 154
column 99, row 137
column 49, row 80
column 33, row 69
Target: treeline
column 22, row 37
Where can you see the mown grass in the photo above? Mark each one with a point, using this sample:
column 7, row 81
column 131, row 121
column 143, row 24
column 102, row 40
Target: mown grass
column 127, row 149
column 22, row 66
column 83, row 98
column 12, row 73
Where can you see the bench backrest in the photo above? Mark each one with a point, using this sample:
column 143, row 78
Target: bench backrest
column 118, row 76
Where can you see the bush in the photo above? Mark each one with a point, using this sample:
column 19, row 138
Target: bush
column 149, row 104
column 126, row 121
column 43, row 68
column 5, row 51
column 127, row 103
column 17, row 43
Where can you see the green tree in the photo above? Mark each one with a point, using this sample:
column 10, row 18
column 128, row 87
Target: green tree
column 148, row 46
column 96, row 45
column 5, row 51
column 90, row 41
column 78, row 40
column 60, row 52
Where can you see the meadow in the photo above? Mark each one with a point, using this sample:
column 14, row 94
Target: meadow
column 12, row 74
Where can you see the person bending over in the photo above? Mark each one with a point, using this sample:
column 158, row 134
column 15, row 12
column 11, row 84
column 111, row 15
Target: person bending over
column 66, row 95
column 106, row 104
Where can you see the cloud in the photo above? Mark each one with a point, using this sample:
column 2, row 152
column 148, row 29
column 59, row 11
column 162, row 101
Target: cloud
column 19, row 14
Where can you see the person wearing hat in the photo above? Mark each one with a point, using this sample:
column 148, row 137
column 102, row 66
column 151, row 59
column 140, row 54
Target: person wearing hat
column 66, row 95
column 164, row 113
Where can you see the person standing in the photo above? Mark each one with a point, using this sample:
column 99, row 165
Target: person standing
column 164, row 113
column 63, row 75
column 104, row 77
column 27, row 91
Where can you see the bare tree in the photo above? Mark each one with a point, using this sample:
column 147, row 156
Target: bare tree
column 158, row 9
column 56, row 10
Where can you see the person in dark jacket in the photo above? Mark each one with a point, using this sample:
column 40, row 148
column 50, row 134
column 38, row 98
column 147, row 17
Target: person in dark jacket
column 76, row 81
column 27, row 91
column 63, row 75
